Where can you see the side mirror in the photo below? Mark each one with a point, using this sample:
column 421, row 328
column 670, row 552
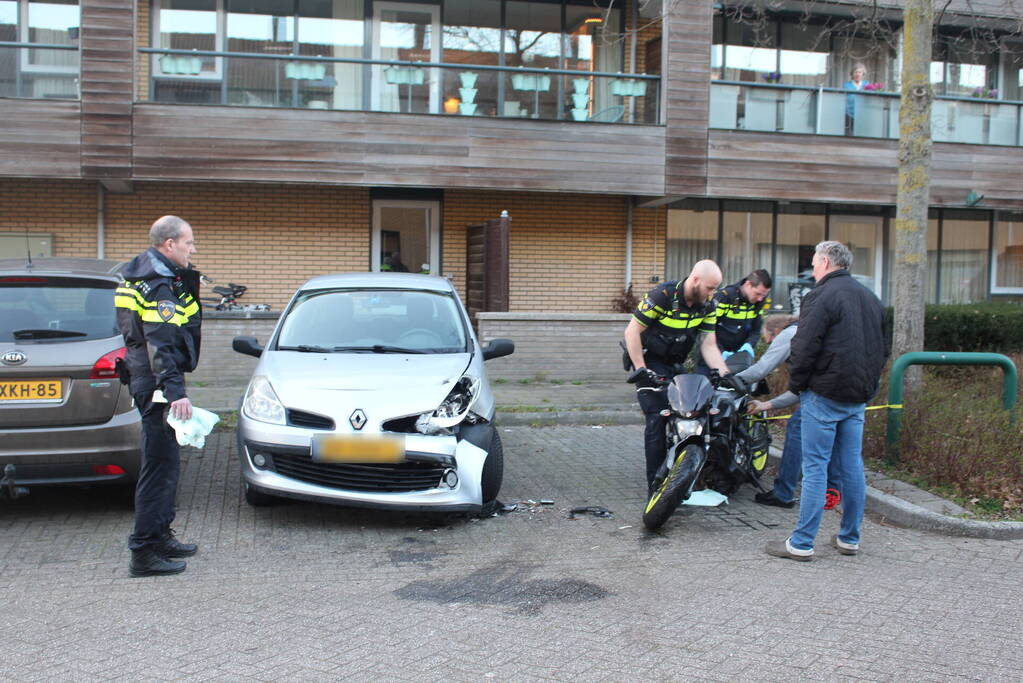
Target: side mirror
column 497, row 348
column 247, row 345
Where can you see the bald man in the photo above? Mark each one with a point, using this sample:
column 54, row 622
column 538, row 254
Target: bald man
column 662, row 332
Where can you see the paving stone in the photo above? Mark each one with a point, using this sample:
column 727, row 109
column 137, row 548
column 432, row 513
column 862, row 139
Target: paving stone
column 313, row 592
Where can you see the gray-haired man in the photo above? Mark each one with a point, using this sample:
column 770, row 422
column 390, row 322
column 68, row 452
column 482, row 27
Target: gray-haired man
column 837, row 356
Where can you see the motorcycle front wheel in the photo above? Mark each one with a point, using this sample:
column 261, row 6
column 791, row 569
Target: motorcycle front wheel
column 675, row 488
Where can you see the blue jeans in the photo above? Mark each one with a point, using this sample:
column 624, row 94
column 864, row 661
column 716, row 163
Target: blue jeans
column 792, row 463
column 831, row 431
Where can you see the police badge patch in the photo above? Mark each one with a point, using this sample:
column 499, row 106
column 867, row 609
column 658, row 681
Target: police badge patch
column 645, row 305
column 165, row 309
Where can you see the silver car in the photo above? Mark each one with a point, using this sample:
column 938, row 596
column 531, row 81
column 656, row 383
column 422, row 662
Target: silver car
column 64, row 415
column 372, row 393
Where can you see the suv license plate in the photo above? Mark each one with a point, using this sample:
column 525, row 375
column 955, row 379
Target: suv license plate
column 31, row 391
column 358, row 449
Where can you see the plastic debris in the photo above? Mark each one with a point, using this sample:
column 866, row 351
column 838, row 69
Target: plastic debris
column 706, row 498
column 595, row 510
column 193, row 431
column 546, row 501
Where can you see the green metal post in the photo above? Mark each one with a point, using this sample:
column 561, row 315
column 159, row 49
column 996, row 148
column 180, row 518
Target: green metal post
column 896, row 390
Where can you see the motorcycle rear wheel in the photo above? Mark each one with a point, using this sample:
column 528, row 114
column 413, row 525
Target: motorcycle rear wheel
column 675, row 488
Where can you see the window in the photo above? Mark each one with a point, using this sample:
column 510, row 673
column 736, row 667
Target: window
column 963, row 65
column 964, row 254
column 39, row 72
column 746, row 239
column 1007, row 254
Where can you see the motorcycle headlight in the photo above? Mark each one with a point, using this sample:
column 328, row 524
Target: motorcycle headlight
column 261, row 402
column 455, row 407
column 686, row 428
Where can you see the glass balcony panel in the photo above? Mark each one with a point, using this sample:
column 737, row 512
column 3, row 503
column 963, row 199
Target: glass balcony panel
column 943, row 120
column 1002, row 127
column 472, row 92
column 833, row 106
column 724, row 103
column 869, row 115
column 38, row 81
column 762, row 107
column 800, row 111
column 258, row 82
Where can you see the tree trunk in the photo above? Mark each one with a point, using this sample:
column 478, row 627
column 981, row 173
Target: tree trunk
column 910, row 272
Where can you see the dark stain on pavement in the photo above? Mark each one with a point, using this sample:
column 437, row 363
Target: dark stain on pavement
column 503, row 585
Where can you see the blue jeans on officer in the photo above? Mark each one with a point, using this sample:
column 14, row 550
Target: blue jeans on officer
column 831, row 432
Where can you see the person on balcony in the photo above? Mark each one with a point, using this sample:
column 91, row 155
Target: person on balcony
column 857, row 81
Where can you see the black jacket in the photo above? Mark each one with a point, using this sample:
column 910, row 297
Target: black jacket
column 841, row 345
column 159, row 315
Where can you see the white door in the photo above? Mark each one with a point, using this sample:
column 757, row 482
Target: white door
column 406, row 32
column 406, row 236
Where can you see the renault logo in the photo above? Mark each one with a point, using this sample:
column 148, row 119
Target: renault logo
column 14, row 358
column 358, row 419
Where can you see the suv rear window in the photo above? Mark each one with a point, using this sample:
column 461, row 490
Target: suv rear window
column 55, row 309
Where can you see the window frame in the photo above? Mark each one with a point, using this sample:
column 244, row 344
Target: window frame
column 23, row 58
column 156, row 68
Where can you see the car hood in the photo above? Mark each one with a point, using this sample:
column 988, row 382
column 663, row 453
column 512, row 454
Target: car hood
column 335, row 384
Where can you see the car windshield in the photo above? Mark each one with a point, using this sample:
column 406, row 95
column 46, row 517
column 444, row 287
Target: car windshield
column 373, row 321
column 56, row 309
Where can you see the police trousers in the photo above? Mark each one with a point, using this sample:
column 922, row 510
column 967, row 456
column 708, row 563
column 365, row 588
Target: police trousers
column 655, row 442
column 157, row 487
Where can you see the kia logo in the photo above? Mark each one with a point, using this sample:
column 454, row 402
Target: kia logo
column 14, row 358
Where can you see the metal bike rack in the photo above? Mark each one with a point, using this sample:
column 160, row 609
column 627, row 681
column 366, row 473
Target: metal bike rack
column 896, row 389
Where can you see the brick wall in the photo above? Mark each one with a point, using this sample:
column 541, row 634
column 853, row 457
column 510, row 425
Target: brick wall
column 550, row 346
column 219, row 364
column 65, row 209
column 567, row 251
column 271, row 238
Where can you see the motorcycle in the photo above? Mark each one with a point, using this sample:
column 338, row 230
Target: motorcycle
column 712, row 443
column 228, row 298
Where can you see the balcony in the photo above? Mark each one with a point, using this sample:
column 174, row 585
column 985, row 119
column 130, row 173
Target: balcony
column 39, row 70
column 416, row 87
column 831, row 111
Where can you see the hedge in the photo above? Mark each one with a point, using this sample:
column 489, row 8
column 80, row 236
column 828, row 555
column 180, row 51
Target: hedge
column 996, row 327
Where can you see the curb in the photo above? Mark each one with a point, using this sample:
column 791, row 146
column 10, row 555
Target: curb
column 902, row 513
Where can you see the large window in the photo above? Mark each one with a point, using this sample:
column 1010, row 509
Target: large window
column 746, row 243
column 964, row 254
column 1007, row 256
column 39, row 72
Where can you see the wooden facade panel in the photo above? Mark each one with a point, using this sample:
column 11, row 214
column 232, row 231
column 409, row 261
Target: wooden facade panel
column 813, row 168
column 107, row 66
column 686, row 84
column 40, row 138
column 386, row 149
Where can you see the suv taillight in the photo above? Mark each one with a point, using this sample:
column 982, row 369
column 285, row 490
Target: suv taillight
column 105, row 367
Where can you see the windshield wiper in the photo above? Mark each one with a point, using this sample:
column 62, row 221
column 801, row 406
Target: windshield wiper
column 46, row 334
column 377, row 348
column 305, row 348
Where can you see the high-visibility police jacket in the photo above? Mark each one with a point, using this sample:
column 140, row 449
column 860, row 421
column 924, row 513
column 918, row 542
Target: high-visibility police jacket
column 159, row 315
column 672, row 326
column 738, row 320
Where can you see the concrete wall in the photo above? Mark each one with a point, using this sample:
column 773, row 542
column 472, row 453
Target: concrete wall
column 557, row 346
column 547, row 346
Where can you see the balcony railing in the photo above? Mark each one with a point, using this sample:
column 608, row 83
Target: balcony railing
column 831, row 111
column 299, row 81
column 38, row 70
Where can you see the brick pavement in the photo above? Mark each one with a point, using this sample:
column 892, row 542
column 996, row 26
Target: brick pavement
column 310, row 592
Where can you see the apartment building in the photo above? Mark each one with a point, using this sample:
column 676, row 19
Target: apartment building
column 624, row 140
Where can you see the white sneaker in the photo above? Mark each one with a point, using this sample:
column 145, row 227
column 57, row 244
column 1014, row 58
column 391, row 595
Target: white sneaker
column 843, row 547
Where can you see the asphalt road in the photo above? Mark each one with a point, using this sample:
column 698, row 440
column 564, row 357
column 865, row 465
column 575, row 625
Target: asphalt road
column 311, row 592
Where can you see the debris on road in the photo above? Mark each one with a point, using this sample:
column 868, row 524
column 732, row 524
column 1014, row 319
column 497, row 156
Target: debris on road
column 595, row 510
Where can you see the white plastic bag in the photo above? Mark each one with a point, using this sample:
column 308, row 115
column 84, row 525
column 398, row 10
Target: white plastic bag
column 193, row 431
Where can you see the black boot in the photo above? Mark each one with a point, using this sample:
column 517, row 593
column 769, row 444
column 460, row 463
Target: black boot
column 147, row 562
column 169, row 546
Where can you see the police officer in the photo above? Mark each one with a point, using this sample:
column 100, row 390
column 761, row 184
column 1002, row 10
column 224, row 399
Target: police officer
column 740, row 312
column 158, row 313
column 660, row 335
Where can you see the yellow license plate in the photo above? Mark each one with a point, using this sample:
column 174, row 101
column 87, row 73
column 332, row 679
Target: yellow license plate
column 358, row 449
column 35, row 390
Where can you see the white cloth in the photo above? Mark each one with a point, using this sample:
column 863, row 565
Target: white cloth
column 193, row 431
column 706, row 498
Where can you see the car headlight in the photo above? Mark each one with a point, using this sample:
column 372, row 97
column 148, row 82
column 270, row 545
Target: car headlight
column 261, row 402
column 453, row 409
